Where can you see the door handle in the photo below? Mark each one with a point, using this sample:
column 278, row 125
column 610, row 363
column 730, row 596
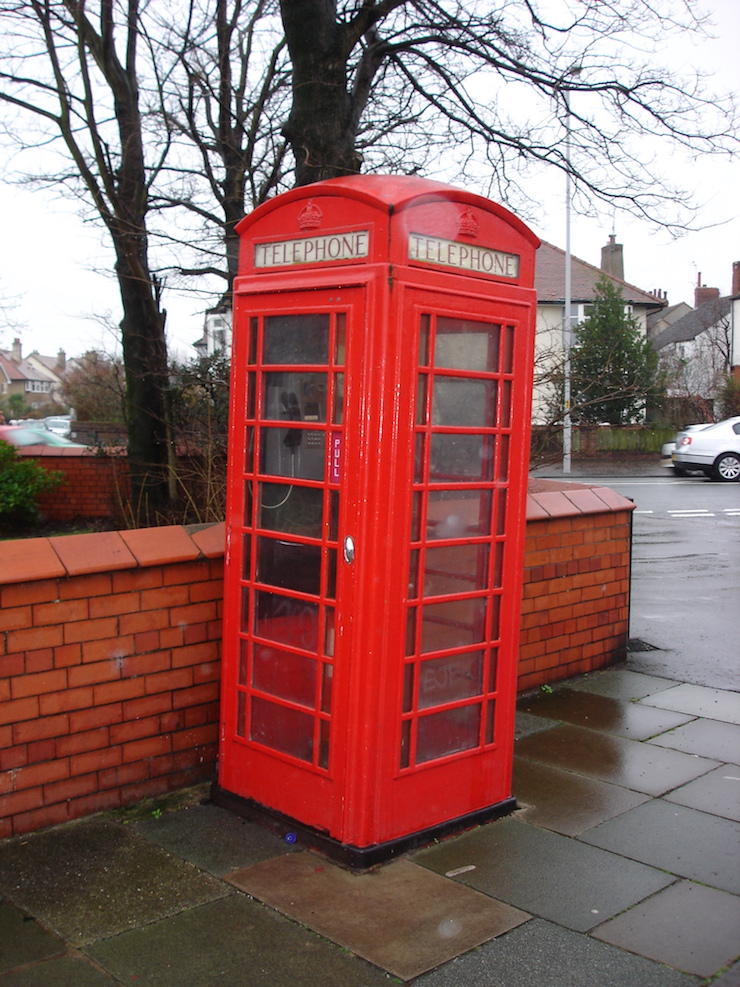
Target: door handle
column 349, row 550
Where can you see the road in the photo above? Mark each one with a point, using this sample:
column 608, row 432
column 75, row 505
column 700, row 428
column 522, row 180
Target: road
column 685, row 575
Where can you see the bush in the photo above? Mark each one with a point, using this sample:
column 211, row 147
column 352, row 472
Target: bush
column 21, row 481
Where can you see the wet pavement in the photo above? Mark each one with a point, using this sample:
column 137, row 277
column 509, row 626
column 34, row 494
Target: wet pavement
column 619, row 868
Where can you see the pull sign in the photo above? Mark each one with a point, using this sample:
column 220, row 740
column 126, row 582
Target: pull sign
column 335, row 457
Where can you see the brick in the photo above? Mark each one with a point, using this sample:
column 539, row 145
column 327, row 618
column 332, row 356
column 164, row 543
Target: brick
column 36, row 685
column 164, row 597
column 19, row 709
column 145, row 790
column 111, row 692
column 137, row 623
column 41, row 750
column 41, row 774
column 97, row 716
column 63, row 791
column 50, row 815
column 195, row 633
column 207, row 734
column 59, row 612
column 96, row 802
column 40, row 728
column 212, row 589
column 87, row 740
column 97, row 760
column 23, row 594
column 39, row 661
column 172, row 637
column 115, row 605
column 34, row 638
column 187, row 573
column 12, row 664
column 132, row 580
column 179, row 678
column 90, row 630
column 13, row 618
column 59, row 702
column 141, row 750
column 195, row 654
column 124, row 774
column 144, row 664
column 13, row 757
column 147, row 705
column 123, row 733
column 169, row 722
column 192, row 614
column 209, row 671
column 84, row 587
column 147, row 642
column 68, row 654
column 114, row 647
column 94, row 673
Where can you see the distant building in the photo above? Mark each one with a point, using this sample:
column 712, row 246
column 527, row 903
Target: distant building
column 550, row 286
column 216, row 336
column 36, row 378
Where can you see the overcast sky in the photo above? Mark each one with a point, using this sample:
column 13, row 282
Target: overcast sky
column 50, row 264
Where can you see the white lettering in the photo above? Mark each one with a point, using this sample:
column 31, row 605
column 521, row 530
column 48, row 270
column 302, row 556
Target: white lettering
column 466, row 257
column 313, row 250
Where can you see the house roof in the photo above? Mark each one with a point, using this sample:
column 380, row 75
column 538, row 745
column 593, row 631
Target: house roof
column 11, row 371
column 696, row 322
column 549, row 280
column 25, row 370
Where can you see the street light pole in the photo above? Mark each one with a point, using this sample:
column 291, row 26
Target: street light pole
column 567, row 425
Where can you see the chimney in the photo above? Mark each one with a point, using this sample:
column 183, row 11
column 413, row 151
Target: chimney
column 703, row 294
column 16, row 355
column 612, row 258
column 736, row 278
column 62, row 360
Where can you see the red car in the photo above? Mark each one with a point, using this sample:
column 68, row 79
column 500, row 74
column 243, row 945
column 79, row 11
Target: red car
column 26, row 435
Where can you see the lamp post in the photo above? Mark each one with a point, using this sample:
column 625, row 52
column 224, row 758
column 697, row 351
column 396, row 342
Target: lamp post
column 567, row 317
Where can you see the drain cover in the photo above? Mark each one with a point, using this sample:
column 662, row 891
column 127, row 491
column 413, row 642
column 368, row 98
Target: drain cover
column 635, row 644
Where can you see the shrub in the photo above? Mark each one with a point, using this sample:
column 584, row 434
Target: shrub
column 21, row 481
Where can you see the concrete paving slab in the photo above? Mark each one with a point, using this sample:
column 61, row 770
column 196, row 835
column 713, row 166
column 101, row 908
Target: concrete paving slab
column 565, row 802
column 96, row 878
column 544, row 873
column 213, row 839
column 603, row 713
column 526, row 725
column 64, row 971
column 730, row 978
column 232, row 942
column 620, row 683
column 707, row 738
column 680, row 840
column 23, row 940
column 401, row 917
column 714, row 704
column 694, row 928
column 717, row 792
column 540, row 954
column 629, row 763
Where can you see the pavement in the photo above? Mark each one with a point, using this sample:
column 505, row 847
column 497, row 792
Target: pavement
column 620, row 868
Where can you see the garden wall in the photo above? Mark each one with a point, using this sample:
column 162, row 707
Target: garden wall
column 110, row 648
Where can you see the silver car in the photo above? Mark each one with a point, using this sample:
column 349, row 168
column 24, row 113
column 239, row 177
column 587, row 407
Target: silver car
column 713, row 449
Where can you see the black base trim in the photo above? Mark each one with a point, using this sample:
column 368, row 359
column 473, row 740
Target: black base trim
column 354, row 857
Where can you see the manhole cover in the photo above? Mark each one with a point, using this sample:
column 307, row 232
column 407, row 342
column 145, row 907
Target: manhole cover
column 635, row 644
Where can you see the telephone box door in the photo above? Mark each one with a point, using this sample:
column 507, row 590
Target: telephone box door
column 288, row 513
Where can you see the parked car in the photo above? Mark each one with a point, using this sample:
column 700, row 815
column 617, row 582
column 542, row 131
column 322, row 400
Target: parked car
column 25, row 435
column 59, row 425
column 668, row 448
column 713, row 449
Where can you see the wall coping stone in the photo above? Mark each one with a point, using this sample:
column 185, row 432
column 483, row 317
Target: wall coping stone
column 29, row 559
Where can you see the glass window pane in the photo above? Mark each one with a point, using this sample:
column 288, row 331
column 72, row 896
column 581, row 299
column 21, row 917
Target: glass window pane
column 295, row 452
column 284, row 675
column 296, row 339
column 294, row 396
column 424, row 341
column 458, row 513
column 290, row 508
column 337, row 415
column 453, row 624
column 448, row 732
column 445, row 680
column 340, row 347
column 461, row 457
column 290, row 565
column 282, row 729
column 327, row 682
column 287, row 621
column 455, row 569
column 463, row 402
column 462, row 344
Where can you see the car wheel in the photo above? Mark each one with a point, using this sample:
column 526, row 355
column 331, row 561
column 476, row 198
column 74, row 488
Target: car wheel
column 727, row 467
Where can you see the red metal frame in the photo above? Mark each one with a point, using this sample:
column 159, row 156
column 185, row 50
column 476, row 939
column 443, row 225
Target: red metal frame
column 339, row 729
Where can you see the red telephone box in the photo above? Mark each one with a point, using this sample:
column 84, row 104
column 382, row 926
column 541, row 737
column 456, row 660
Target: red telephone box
column 380, row 422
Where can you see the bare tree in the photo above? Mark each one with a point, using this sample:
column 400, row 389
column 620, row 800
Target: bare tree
column 73, row 67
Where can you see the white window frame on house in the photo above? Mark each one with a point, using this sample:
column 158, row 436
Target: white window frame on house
column 38, row 386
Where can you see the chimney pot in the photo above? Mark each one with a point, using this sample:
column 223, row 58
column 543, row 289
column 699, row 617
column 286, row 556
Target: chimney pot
column 736, row 278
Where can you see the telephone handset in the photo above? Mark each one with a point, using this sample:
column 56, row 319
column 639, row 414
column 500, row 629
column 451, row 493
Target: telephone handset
column 292, row 410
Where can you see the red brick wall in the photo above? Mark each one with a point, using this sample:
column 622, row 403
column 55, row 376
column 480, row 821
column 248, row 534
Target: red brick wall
column 110, row 648
column 94, row 485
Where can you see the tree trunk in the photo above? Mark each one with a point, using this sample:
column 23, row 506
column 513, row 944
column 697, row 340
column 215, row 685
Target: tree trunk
column 321, row 128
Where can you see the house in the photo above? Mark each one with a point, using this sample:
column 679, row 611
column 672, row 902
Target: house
column 700, row 348
column 550, row 286
column 28, row 377
column 216, row 336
